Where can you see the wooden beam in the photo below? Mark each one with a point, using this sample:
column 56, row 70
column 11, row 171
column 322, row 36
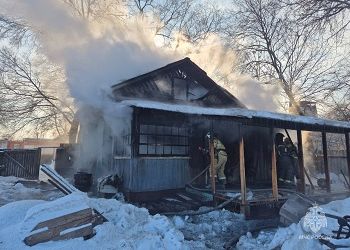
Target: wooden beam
column 347, row 142
column 273, row 167
column 212, row 166
column 301, row 184
column 242, row 172
column 325, row 160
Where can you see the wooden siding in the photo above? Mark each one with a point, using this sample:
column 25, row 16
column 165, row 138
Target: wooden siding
column 23, row 163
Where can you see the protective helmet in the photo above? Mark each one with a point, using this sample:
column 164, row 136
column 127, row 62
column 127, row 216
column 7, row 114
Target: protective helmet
column 279, row 136
column 208, row 135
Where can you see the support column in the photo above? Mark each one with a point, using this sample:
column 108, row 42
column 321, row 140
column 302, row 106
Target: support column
column 301, row 184
column 273, row 167
column 325, row 160
column 242, row 172
column 212, row 166
column 347, row 143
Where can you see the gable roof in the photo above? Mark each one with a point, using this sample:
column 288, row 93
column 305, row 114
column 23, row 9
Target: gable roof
column 148, row 86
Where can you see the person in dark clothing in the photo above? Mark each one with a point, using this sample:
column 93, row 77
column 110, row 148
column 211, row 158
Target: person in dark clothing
column 287, row 161
column 293, row 170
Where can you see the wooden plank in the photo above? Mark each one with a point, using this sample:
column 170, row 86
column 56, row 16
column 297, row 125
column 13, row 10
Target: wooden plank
column 325, row 160
column 347, row 143
column 55, row 222
column 242, row 172
column 55, row 234
column 301, row 185
column 83, row 231
column 184, row 197
column 72, row 223
column 273, row 167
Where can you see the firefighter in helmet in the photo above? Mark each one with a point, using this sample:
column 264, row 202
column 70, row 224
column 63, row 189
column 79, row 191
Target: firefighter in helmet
column 286, row 161
column 220, row 159
column 293, row 170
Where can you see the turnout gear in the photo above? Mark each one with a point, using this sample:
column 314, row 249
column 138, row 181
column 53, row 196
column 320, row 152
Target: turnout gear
column 287, row 163
column 221, row 158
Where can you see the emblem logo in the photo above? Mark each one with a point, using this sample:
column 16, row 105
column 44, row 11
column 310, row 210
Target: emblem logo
column 315, row 219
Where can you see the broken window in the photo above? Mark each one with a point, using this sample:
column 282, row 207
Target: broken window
column 158, row 140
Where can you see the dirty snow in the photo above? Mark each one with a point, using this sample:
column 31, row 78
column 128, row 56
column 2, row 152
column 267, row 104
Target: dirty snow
column 128, row 227
column 296, row 236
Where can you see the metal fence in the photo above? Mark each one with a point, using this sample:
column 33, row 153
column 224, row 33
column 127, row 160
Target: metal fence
column 23, row 163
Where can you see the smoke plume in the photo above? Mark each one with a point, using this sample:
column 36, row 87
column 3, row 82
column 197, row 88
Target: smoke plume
column 96, row 55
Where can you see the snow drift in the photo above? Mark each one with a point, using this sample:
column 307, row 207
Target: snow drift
column 128, row 227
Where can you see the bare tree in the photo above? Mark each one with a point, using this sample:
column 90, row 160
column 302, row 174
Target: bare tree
column 326, row 12
column 142, row 5
column 97, row 9
column 32, row 95
column 278, row 50
column 191, row 18
column 14, row 31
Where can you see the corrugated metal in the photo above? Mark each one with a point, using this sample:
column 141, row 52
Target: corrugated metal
column 22, row 163
column 152, row 174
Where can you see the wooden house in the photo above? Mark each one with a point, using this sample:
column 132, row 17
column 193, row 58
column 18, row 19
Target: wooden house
column 171, row 110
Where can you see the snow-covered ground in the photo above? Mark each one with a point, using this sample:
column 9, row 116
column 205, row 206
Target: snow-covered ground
column 14, row 189
column 130, row 227
column 298, row 236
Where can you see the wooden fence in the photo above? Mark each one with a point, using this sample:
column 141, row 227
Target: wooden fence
column 23, row 163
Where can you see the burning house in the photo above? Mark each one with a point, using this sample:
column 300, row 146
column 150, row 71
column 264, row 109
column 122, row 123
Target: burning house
column 156, row 148
column 152, row 145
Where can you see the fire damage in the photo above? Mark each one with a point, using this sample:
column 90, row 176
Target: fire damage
column 181, row 142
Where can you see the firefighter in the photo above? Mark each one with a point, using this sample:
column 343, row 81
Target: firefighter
column 280, row 159
column 286, row 163
column 293, row 170
column 220, row 159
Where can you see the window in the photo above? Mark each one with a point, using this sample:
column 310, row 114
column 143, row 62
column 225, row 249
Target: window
column 157, row 140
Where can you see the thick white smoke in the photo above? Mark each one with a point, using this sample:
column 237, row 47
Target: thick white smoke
column 220, row 63
column 97, row 55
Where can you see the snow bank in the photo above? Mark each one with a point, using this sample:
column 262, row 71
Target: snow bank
column 12, row 190
column 296, row 236
column 128, row 227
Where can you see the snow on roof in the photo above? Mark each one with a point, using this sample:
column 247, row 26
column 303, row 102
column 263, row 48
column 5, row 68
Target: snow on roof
column 235, row 112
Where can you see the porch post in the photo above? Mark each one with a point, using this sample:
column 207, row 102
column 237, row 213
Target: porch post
column 242, row 172
column 273, row 167
column 301, row 185
column 325, row 160
column 347, row 143
column 212, row 166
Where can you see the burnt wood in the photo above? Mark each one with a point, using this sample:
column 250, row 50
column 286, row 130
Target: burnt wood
column 73, row 225
column 301, row 186
column 325, row 159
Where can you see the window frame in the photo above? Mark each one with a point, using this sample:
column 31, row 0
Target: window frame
column 182, row 132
